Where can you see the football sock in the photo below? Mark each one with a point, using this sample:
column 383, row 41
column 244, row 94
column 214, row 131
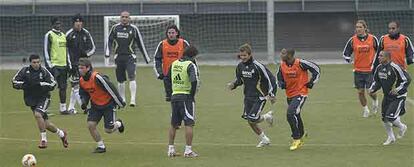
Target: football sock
column 365, row 108
column 397, row 122
column 60, row 133
column 72, row 99
column 43, row 136
column 388, row 128
column 262, row 136
column 133, row 89
column 62, row 107
column 188, row 149
column 121, row 88
column 101, row 144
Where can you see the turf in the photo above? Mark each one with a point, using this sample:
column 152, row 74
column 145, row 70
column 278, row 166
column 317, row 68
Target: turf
column 338, row 135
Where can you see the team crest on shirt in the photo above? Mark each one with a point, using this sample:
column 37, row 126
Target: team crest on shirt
column 84, row 38
column 248, row 74
column 41, row 76
column 291, row 74
column 383, row 75
column 130, row 32
column 122, row 35
column 74, row 36
column 363, row 49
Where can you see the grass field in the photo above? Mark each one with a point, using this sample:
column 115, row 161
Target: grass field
column 338, row 135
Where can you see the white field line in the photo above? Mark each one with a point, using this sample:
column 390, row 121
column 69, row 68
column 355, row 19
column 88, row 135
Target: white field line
column 209, row 144
column 213, row 105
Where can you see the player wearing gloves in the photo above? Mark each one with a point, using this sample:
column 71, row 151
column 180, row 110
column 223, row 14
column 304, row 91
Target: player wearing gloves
column 293, row 76
column 36, row 83
column 97, row 89
column 123, row 37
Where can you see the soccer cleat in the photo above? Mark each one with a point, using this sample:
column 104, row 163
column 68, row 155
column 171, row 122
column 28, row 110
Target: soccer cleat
column 72, row 111
column 264, row 142
column 402, row 132
column 99, row 150
column 296, row 144
column 390, row 140
column 268, row 117
column 42, row 144
column 65, row 139
column 191, row 154
column 173, row 153
column 122, row 127
column 365, row 113
column 64, row 112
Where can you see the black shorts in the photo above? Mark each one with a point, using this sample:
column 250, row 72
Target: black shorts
column 125, row 64
column 167, row 88
column 108, row 113
column 41, row 107
column 392, row 108
column 74, row 76
column 362, row 80
column 183, row 111
column 252, row 108
column 295, row 104
column 61, row 76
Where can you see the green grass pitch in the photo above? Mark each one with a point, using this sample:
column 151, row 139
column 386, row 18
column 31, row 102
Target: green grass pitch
column 338, row 135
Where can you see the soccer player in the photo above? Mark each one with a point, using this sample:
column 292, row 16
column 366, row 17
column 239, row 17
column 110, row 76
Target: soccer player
column 168, row 51
column 293, row 76
column 364, row 47
column 57, row 60
column 183, row 80
column 124, row 36
column 394, row 81
column 36, row 83
column 80, row 45
column 259, row 86
column 104, row 98
column 399, row 45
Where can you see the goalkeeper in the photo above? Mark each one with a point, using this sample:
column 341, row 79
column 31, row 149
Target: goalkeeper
column 124, row 36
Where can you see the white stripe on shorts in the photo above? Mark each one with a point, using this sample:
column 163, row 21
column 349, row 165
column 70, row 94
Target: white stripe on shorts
column 187, row 113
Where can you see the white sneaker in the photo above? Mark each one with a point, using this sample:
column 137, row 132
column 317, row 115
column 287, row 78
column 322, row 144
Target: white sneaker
column 402, row 132
column 264, row 142
column 191, row 154
column 172, row 153
column 365, row 113
column 268, row 117
column 390, row 140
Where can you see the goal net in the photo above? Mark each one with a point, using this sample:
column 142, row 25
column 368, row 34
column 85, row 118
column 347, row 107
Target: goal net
column 377, row 14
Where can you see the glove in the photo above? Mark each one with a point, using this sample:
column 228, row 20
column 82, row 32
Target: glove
column 161, row 77
column 84, row 106
column 122, row 103
column 282, row 85
column 309, row 85
column 106, row 60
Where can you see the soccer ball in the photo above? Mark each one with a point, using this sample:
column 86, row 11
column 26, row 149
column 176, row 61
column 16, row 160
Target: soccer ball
column 29, row 160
